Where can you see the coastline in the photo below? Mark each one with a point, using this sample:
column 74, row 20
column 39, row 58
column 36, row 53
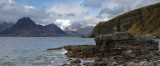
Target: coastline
column 118, row 49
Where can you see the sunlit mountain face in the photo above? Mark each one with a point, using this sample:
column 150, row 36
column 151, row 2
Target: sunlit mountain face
column 81, row 29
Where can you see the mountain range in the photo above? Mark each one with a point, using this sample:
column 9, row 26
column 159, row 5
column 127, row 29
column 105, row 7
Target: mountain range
column 145, row 20
column 25, row 27
column 5, row 25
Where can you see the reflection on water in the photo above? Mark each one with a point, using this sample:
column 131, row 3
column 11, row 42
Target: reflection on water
column 31, row 51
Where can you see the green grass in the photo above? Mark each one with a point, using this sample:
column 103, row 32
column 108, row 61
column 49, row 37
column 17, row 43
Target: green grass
column 140, row 21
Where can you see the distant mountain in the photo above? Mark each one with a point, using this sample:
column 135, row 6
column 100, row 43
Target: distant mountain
column 80, row 29
column 54, row 29
column 141, row 21
column 26, row 27
column 5, row 25
column 73, row 33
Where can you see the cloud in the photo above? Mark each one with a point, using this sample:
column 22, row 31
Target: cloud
column 114, row 8
column 70, row 10
column 63, row 23
column 92, row 3
column 11, row 12
column 65, row 12
column 111, row 12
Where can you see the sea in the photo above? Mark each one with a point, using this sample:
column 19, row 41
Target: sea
column 32, row 51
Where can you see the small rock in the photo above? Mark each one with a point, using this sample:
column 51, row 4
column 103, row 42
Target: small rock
column 69, row 59
column 131, row 64
column 149, row 64
column 77, row 61
column 129, row 54
column 142, row 63
column 114, row 63
column 90, row 64
column 66, row 65
column 102, row 63
column 157, row 63
column 98, row 60
column 120, row 65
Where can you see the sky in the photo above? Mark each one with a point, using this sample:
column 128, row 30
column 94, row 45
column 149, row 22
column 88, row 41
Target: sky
column 66, row 12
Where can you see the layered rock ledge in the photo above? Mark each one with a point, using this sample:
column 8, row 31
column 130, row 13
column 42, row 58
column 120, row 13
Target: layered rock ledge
column 118, row 49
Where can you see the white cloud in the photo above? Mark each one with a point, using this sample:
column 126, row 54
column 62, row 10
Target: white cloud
column 67, row 11
column 92, row 3
column 62, row 23
column 29, row 7
column 114, row 8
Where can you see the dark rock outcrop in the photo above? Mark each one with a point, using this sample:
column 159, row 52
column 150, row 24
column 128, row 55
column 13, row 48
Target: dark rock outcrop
column 110, row 45
column 123, row 42
column 119, row 49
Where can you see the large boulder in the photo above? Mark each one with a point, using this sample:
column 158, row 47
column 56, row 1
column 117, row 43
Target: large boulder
column 119, row 42
column 147, row 37
column 106, row 42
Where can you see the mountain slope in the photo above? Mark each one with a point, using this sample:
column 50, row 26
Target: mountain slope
column 26, row 27
column 54, row 29
column 5, row 25
column 141, row 21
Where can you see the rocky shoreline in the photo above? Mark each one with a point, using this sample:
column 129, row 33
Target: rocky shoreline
column 118, row 49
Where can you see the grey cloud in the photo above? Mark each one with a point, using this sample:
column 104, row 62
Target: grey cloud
column 92, row 3
column 116, row 7
column 11, row 11
column 71, row 14
column 108, row 12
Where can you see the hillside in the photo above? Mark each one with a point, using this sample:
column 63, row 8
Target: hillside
column 26, row 27
column 141, row 21
column 5, row 25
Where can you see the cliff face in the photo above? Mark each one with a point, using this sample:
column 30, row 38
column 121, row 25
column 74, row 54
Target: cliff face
column 141, row 21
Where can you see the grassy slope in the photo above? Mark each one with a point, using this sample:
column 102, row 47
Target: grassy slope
column 141, row 21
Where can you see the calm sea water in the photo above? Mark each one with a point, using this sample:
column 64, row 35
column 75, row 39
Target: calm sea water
column 31, row 51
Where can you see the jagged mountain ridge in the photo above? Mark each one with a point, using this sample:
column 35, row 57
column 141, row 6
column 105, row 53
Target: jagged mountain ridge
column 26, row 27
